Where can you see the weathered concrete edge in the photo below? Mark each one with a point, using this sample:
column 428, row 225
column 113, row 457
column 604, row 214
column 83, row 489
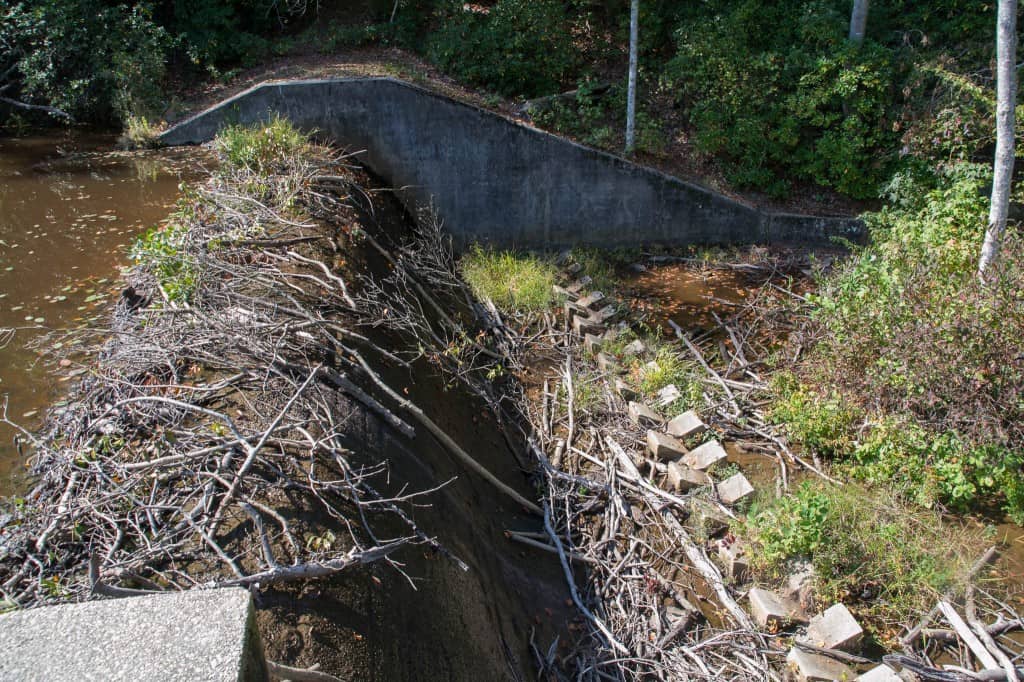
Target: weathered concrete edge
column 746, row 223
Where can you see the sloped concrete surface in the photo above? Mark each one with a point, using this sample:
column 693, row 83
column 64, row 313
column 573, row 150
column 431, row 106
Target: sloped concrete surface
column 177, row 637
column 497, row 181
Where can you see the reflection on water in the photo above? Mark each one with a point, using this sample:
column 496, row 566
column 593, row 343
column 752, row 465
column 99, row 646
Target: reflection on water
column 69, row 209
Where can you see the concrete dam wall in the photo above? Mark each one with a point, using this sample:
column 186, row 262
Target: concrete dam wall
column 496, row 181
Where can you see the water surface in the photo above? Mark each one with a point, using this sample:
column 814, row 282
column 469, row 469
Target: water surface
column 70, row 207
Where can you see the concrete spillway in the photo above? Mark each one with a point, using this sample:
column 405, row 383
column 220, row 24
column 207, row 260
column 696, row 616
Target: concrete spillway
column 496, row 181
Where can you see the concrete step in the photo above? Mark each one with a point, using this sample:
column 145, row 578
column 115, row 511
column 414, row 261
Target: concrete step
column 195, row 636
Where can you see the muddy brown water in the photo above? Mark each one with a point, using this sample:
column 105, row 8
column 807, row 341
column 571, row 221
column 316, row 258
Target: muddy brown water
column 70, row 206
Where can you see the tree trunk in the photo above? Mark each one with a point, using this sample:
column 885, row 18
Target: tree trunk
column 634, row 20
column 1006, row 98
column 858, row 21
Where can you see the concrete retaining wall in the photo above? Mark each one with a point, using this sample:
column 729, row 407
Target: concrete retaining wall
column 493, row 180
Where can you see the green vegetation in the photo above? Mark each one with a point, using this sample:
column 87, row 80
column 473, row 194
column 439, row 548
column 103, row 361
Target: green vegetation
column 884, row 559
column 923, row 363
column 514, row 282
column 516, row 47
column 262, row 161
column 260, row 149
column 162, row 250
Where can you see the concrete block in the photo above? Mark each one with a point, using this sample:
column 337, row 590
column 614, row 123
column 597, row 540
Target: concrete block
column 579, row 285
column 800, row 584
column 705, row 456
column 836, row 628
column 591, row 343
column 705, row 520
column 881, row 673
column 733, row 555
column 734, row 489
column 607, row 363
column 201, row 635
column 591, row 300
column 807, row 667
column 644, row 416
column 682, row 478
column 686, row 425
column 605, row 314
column 583, row 325
column 668, row 395
column 636, row 347
column 562, row 292
column 772, row 611
column 663, row 446
column 625, row 391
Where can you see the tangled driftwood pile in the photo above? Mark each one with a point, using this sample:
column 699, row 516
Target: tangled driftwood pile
column 210, row 444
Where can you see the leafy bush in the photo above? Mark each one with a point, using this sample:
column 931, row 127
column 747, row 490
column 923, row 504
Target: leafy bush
column 161, row 250
column 823, row 423
column 776, row 91
column 517, row 47
column 908, row 334
column 883, row 559
column 95, row 60
column 515, row 283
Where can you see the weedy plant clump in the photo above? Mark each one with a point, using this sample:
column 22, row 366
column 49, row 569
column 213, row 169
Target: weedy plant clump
column 885, row 559
column 516, row 283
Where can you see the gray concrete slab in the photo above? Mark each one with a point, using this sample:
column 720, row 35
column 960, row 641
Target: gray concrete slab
column 207, row 636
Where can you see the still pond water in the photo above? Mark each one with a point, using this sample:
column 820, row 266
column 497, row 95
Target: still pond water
column 70, row 206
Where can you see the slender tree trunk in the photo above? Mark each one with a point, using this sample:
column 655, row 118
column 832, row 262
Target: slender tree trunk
column 858, row 21
column 634, row 20
column 1006, row 98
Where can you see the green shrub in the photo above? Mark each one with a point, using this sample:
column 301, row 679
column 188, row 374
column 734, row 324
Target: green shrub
column 161, row 250
column 885, row 560
column 777, row 93
column 517, row 47
column 515, row 283
column 907, row 332
column 823, row 424
column 95, row 60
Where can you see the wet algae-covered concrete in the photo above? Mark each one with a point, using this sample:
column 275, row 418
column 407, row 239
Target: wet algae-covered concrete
column 496, row 181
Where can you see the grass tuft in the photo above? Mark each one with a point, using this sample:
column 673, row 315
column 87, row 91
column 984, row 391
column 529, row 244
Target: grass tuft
column 515, row 283
column 260, row 149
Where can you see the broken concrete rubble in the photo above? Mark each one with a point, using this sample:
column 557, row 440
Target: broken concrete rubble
column 772, row 611
column 580, row 284
column 705, row 456
column 663, row 446
column 625, row 391
column 734, row 489
column 591, row 300
column 881, row 673
column 643, row 415
column 682, row 478
column 634, row 348
column 668, row 395
column 836, row 628
column 686, row 425
column 808, row 667
column 584, row 325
